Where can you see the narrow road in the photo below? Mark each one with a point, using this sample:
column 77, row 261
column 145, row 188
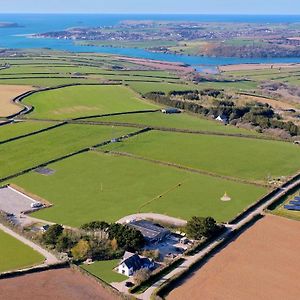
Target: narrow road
column 49, row 258
column 190, row 260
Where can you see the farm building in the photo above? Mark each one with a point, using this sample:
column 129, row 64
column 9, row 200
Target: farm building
column 171, row 111
column 151, row 232
column 222, row 118
column 132, row 262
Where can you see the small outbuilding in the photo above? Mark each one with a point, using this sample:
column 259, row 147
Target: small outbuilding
column 222, row 118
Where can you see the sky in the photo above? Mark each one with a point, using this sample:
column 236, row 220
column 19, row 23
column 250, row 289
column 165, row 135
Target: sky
column 264, row 7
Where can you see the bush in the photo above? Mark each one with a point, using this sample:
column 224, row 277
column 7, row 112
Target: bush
column 51, row 236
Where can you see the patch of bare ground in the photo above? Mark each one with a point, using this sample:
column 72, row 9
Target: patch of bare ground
column 63, row 284
column 277, row 104
column 246, row 67
column 262, row 263
column 159, row 65
column 7, row 93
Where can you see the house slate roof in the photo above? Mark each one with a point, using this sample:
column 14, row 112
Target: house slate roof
column 135, row 262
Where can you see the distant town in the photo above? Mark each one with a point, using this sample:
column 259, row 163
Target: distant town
column 209, row 39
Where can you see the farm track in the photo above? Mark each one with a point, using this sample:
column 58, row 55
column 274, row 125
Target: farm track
column 177, row 166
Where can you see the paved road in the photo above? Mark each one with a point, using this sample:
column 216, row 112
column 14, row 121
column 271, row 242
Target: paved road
column 192, row 259
column 155, row 217
column 49, row 258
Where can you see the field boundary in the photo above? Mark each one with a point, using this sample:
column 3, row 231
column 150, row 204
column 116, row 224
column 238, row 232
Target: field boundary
column 32, row 133
column 86, row 149
column 177, row 166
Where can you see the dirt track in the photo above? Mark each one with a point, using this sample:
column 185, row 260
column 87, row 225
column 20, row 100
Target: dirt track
column 7, row 93
column 263, row 263
column 64, row 284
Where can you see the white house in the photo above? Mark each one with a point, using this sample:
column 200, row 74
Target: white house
column 222, row 118
column 132, row 262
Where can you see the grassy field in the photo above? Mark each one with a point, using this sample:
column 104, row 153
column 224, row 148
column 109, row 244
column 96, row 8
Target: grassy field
column 97, row 186
column 181, row 121
column 17, row 129
column 244, row 158
column 104, row 270
column 146, row 87
column 30, row 151
column 15, row 255
column 79, row 101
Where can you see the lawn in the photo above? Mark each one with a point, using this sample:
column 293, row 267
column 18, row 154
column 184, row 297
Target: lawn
column 104, row 270
column 28, row 152
column 181, row 121
column 97, row 186
column 20, row 128
column 237, row 157
column 15, row 255
column 80, row 101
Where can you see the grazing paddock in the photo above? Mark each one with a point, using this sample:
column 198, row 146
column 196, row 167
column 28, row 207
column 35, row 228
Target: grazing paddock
column 7, row 93
column 147, row 87
column 62, row 284
column 15, row 255
column 251, row 159
column 178, row 121
column 263, row 264
column 80, row 101
column 97, row 186
column 13, row 130
column 31, row 151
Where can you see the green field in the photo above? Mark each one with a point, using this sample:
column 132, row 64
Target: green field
column 15, row 255
column 104, row 270
column 16, row 129
column 97, row 186
column 180, row 121
column 147, row 87
column 251, row 159
column 28, row 152
column 79, row 101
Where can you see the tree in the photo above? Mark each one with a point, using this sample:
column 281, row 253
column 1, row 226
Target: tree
column 194, row 227
column 64, row 243
column 141, row 275
column 50, row 237
column 95, row 225
column 80, row 250
column 199, row 227
column 127, row 238
column 114, row 244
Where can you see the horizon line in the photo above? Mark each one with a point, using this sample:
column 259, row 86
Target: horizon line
column 150, row 13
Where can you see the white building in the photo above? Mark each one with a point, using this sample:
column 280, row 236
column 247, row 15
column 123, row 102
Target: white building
column 132, row 262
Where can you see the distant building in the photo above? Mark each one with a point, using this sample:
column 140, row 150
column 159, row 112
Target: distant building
column 171, row 111
column 151, row 232
column 132, row 262
column 223, row 119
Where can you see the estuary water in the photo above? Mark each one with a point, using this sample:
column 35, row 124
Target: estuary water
column 39, row 23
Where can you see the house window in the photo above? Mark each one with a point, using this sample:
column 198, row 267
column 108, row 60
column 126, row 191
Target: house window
column 123, row 271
